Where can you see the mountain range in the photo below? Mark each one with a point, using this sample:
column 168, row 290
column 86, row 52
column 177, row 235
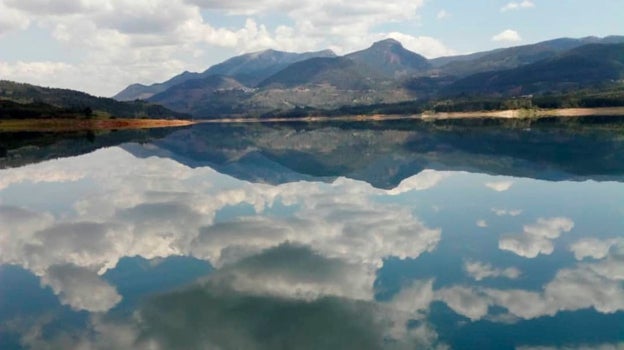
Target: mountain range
column 389, row 152
column 271, row 81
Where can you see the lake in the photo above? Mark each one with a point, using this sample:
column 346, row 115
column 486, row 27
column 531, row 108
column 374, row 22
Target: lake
column 352, row 235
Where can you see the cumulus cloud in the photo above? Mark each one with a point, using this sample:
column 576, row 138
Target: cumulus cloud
column 594, row 285
column 613, row 266
column 12, row 19
column 147, row 41
column 570, row 290
column 465, row 301
column 275, row 288
column 248, row 303
column 592, row 248
column 479, row 270
column 49, row 7
column 415, row 297
column 442, row 14
column 482, row 223
column 504, row 212
column 289, row 271
column 156, row 207
column 424, row 45
column 536, row 238
column 507, row 35
column 80, row 288
column 510, row 6
column 45, row 172
column 499, row 186
column 585, row 286
column 424, row 180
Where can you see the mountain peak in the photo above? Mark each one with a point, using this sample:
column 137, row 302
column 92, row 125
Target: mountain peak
column 389, row 57
column 387, row 43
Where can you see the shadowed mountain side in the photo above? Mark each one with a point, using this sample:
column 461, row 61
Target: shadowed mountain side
column 342, row 73
column 384, row 60
column 581, row 67
column 391, row 59
column 513, row 57
column 143, row 92
column 22, row 148
column 249, row 69
column 187, row 95
column 390, row 152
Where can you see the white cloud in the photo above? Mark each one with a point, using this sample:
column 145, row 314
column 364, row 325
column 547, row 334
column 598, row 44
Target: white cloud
column 504, row 212
column 330, row 296
column 592, row 248
column 442, row 14
column 81, row 288
column 415, row 297
column 479, row 270
column 482, row 223
column 465, row 301
column 587, row 285
column 499, row 186
column 536, row 238
column 49, row 7
column 510, row 6
column 613, row 266
column 42, row 73
column 144, row 41
column 424, row 180
column 156, row 207
column 507, row 35
column 43, row 172
column 424, row 45
column 273, row 273
column 11, row 19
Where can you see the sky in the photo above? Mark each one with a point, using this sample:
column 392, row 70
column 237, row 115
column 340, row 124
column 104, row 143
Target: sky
column 101, row 46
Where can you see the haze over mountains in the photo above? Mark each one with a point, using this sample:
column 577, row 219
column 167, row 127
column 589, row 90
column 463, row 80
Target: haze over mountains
column 272, row 81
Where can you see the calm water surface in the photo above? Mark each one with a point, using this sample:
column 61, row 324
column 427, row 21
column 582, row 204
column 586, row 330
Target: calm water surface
column 332, row 236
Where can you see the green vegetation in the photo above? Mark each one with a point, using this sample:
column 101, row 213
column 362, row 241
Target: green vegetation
column 388, row 79
column 588, row 98
column 30, row 101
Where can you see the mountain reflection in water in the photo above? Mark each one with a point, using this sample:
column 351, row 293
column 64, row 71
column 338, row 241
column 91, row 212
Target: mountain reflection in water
column 331, row 236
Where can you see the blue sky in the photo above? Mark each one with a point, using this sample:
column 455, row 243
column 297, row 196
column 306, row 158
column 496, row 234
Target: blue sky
column 100, row 46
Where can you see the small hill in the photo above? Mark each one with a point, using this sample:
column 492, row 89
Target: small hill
column 143, row 92
column 581, row 67
column 391, row 59
column 188, row 95
column 56, row 100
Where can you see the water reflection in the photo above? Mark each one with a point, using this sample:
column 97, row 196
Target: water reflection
column 149, row 252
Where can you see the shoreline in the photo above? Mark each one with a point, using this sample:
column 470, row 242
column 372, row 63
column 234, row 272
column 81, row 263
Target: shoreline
column 44, row 125
column 428, row 116
column 51, row 125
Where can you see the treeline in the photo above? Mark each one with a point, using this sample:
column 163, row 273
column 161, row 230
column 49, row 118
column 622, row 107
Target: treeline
column 581, row 99
column 39, row 110
column 33, row 98
column 464, row 103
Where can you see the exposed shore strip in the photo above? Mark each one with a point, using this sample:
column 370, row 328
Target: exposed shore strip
column 505, row 114
column 51, row 125
column 45, row 125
